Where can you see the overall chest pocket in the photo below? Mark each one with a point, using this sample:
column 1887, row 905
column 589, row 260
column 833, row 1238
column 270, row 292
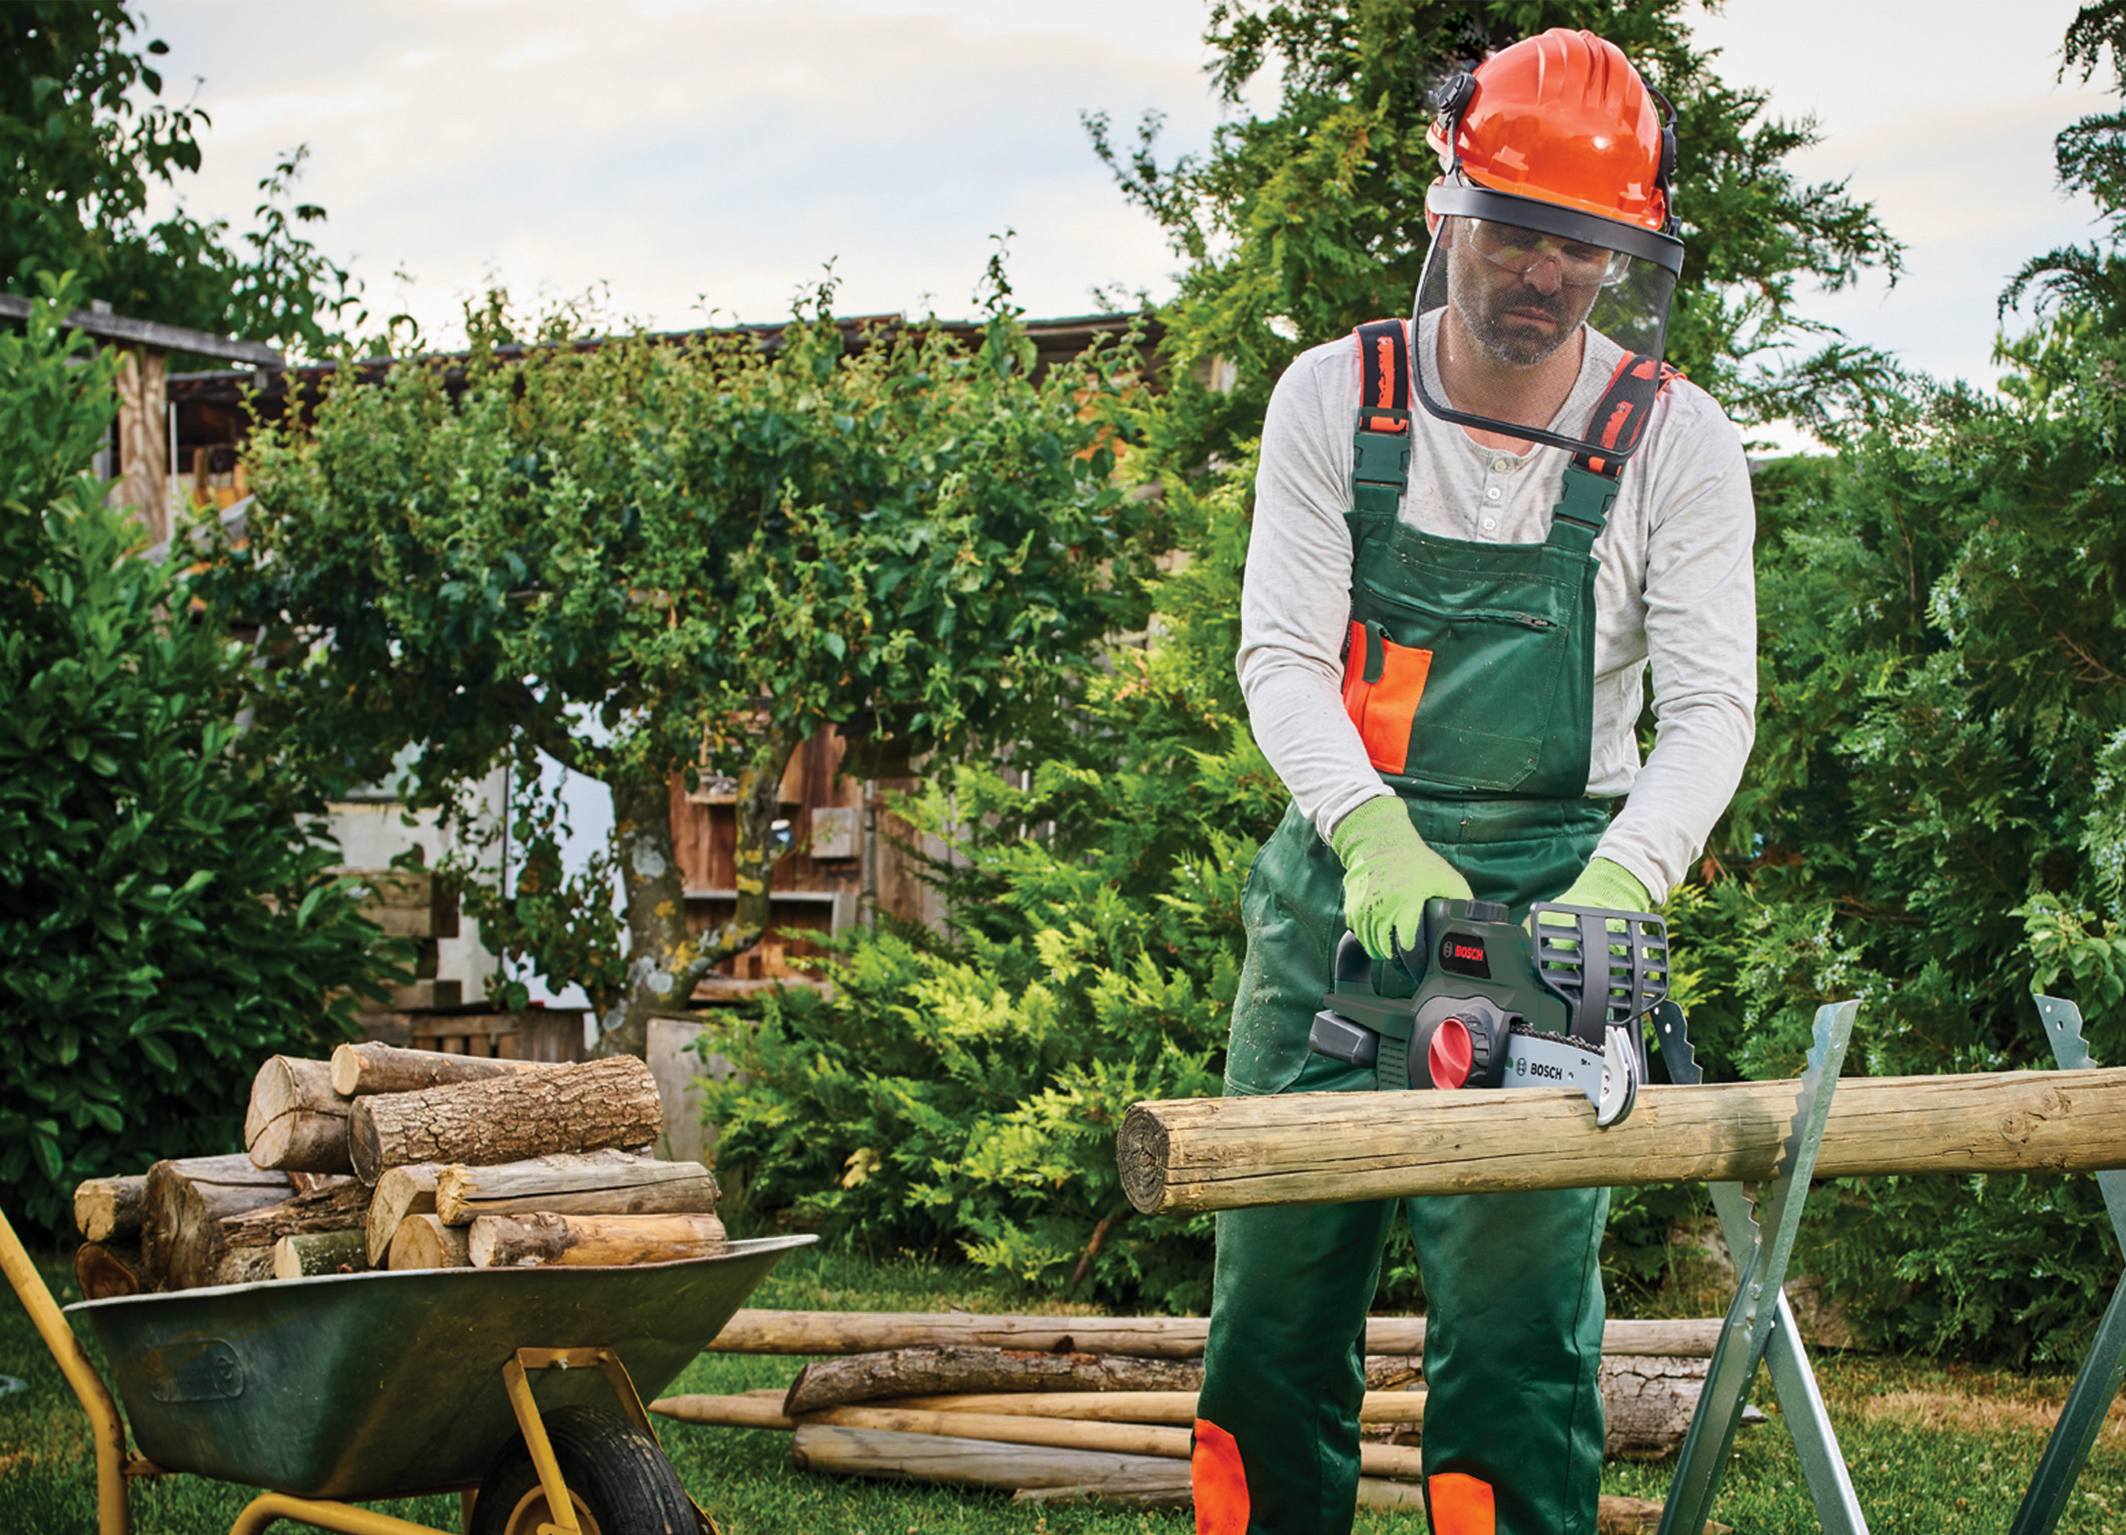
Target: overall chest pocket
column 1462, row 685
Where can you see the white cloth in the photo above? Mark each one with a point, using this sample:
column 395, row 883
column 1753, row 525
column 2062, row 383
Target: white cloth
column 1675, row 595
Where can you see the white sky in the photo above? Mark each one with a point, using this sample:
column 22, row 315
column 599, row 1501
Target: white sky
column 710, row 155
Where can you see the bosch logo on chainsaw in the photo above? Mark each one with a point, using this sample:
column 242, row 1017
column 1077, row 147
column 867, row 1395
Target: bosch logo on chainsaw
column 1462, row 954
column 1557, row 1003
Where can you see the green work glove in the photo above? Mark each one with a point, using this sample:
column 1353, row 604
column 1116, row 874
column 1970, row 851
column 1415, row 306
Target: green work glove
column 1389, row 874
column 1601, row 884
column 1609, row 886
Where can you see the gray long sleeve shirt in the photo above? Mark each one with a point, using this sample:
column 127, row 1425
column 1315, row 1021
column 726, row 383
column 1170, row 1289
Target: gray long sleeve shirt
column 1675, row 595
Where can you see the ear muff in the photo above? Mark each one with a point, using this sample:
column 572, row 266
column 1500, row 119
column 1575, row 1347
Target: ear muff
column 1452, row 99
column 1666, row 175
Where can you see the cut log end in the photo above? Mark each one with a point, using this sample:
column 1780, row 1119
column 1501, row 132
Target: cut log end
column 1141, row 1158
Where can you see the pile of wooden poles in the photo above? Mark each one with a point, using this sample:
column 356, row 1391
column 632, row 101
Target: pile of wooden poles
column 1081, row 1407
column 390, row 1158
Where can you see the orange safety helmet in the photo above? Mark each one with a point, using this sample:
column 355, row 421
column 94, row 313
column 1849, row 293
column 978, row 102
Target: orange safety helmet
column 1562, row 118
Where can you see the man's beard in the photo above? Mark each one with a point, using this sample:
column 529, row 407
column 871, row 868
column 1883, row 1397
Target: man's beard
column 1510, row 341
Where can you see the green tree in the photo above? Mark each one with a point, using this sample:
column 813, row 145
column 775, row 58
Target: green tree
column 1931, row 817
column 1299, row 225
column 643, row 560
column 84, row 137
column 166, row 916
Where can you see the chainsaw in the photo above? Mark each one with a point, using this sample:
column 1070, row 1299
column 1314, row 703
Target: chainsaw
column 1497, row 1007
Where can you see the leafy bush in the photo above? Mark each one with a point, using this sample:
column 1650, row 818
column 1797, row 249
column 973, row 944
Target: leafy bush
column 166, row 920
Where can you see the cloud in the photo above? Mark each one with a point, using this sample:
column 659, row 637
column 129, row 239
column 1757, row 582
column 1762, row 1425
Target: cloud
column 721, row 149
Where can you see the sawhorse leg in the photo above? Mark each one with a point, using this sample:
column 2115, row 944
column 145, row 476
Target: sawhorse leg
column 1800, row 1402
column 2090, row 1398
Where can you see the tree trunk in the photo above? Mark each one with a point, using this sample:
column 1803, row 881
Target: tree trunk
column 377, row 1068
column 585, row 1107
column 954, row 1370
column 598, row 1183
column 400, row 1192
column 108, row 1209
column 592, row 1241
column 296, row 1122
column 106, row 1270
column 318, row 1252
column 182, row 1214
column 1140, row 1337
column 423, row 1242
column 1300, row 1148
column 664, row 959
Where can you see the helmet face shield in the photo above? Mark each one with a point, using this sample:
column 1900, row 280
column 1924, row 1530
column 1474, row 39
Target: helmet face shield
column 1518, row 290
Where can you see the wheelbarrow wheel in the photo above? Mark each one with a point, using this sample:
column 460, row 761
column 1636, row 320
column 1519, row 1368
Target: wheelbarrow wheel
column 617, row 1477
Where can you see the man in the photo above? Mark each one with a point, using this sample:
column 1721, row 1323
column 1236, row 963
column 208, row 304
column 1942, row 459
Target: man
column 1448, row 612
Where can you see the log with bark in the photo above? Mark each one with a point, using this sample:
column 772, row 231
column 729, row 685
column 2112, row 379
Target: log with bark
column 1200, row 1154
column 591, row 1241
column 106, row 1270
column 341, row 1206
column 858, row 1332
column 585, row 1107
column 400, row 1192
column 296, row 1122
column 182, row 1215
column 308, row 1253
column 378, row 1068
column 954, row 1370
column 971, row 1462
column 592, row 1183
column 109, row 1209
column 424, row 1242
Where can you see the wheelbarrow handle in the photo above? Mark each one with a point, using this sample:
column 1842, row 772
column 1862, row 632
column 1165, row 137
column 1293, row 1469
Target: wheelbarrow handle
column 104, row 1421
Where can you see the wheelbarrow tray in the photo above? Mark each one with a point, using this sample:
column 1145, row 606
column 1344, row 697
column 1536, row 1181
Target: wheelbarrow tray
column 358, row 1386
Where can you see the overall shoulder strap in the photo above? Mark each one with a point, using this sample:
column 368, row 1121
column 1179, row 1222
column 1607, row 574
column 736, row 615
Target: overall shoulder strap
column 1591, row 478
column 1380, row 464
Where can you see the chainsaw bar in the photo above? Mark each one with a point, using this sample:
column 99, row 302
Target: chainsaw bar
column 1609, row 1076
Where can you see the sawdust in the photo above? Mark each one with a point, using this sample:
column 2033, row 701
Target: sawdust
column 1981, row 1415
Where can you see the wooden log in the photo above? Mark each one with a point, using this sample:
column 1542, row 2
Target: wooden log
column 1616, row 1515
column 400, row 1192
column 423, row 1242
column 318, row 1252
column 1299, row 1148
column 585, row 1107
column 839, row 1451
column 590, row 1241
column 764, row 1410
column 562, row 1183
column 360, row 1070
column 108, row 1209
column 296, row 1122
column 951, row 1371
column 106, row 1270
column 1154, row 1337
column 340, row 1207
column 182, row 1214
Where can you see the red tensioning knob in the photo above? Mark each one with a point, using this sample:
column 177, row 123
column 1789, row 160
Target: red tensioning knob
column 1450, row 1053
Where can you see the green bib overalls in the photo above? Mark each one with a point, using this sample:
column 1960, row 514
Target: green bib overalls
column 1470, row 678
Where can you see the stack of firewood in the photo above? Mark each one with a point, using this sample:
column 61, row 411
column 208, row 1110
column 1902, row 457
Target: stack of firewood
column 390, row 1158
column 1079, row 1407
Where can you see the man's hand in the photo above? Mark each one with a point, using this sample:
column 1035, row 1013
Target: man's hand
column 1389, row 874
column 1608, row 886
column 1604, row 885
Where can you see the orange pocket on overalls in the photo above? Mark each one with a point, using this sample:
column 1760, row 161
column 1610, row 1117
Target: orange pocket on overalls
column 1382, row 683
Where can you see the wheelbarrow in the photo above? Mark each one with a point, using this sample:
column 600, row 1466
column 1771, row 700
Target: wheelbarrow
column 496, row 1384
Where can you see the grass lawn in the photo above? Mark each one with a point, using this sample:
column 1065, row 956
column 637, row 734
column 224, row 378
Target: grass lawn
column 1932, row 1447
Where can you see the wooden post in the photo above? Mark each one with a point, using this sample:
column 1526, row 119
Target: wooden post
column 1306, row 1148
column 1140, row 1337
column 143, row 440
